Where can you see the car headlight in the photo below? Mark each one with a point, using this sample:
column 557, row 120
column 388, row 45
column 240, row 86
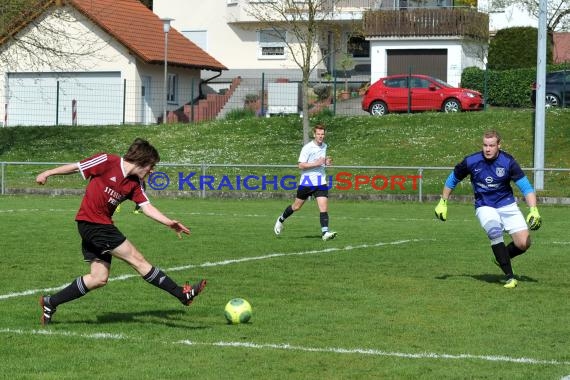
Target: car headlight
column 470, row 94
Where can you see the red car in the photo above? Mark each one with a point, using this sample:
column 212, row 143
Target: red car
column 425, row 93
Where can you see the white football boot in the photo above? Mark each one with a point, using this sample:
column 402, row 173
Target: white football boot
column 278, row 227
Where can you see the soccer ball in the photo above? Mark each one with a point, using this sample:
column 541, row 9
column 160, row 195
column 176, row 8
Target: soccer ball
column 237, row 310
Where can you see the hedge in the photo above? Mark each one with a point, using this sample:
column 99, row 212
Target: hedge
column 505, row 88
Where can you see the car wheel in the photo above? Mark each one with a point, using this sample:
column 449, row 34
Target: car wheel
column 451, row 105
column 378, row 108
column 551, row 100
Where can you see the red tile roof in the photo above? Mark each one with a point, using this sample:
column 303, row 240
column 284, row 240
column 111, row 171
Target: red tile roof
column 561, row 51
column 136, row 27
column 141, row 31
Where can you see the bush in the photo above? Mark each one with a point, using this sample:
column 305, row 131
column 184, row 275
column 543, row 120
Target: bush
column 250, row 98
column 505, row 50
column 322, row 115
column 323, row 91
column 238, row 114
column 505, row 88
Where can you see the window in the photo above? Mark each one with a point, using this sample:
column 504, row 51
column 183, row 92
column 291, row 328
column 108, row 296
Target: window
column 421, row 83
column 358, row 47
column 396, row 82
column 172, row 90
column 272, row 44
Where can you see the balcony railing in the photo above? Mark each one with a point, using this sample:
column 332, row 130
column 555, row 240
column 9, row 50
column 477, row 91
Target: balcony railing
column 392, row 18
column 437, row 22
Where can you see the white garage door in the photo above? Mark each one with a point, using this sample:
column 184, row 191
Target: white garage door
column 65, row 98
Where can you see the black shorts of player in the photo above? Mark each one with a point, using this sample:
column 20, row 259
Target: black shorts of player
column 98, row 240
column 304, row 192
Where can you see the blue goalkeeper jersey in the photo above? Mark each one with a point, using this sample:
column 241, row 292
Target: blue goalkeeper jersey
column 490, row 178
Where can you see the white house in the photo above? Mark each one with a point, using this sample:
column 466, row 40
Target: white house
column 226, row 30
column 103, row 62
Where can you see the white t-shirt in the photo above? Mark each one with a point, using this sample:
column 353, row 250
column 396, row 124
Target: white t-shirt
column 311, row 152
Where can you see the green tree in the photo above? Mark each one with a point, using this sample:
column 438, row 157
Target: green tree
column 505, row 50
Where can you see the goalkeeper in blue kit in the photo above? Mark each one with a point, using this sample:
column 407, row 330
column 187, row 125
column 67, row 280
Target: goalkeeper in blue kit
column 491, row 172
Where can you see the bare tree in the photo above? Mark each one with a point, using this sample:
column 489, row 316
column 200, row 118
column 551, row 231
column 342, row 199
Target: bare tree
column 558, row 12
column 302, row 26
column 44, row 34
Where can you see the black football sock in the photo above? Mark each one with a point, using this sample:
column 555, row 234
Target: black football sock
column 72, row 291
column 513, row 250
column 159, row 279
column 287, row 213
column 324, row 218
column 502, row 256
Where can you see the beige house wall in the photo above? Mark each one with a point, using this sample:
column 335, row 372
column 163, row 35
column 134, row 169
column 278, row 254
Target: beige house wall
column 234, row 44
column 100, row 52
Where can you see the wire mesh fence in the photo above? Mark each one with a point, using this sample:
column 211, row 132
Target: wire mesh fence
column 105, row 99
column 207, row 180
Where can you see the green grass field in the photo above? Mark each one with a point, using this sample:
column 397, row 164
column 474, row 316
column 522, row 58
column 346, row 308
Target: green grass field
column 397, row 140
column 398, row 295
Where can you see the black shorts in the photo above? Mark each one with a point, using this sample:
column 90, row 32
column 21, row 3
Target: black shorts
column 98, row 240
column 304, row 192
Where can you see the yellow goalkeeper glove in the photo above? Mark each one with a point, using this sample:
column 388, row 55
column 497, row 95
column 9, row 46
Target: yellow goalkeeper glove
column 533, row 219
column 441, row 210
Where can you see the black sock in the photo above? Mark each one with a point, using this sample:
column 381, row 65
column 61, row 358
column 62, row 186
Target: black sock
column 72, row 291
column 159, row 279
column 503, row 258
column 324, row 217
column 513, row 250
column 287, row 213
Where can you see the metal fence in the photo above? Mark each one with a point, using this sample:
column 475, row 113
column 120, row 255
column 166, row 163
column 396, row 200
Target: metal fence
column 208, row 180
column 80, row 102
column 111, row 101
column 277, row 94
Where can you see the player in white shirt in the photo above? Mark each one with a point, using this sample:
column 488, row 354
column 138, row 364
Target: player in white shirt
column 313, row 182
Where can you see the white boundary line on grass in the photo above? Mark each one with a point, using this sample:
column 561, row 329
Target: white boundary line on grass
column 288, row 347
column 220, row 263
column 373, row 352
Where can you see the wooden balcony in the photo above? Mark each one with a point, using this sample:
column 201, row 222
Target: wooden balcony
column 427, row 22
column 390, row 18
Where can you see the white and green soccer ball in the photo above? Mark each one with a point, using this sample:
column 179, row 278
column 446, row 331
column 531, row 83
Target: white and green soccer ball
column 237, row 310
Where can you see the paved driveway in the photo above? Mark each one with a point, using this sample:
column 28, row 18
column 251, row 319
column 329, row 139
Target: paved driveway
column 350, row 107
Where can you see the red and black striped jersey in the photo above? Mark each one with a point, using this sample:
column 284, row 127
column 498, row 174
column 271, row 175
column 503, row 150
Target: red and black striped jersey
column 108, row 187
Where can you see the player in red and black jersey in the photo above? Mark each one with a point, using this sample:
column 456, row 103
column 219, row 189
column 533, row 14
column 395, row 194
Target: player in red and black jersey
column 113, row 179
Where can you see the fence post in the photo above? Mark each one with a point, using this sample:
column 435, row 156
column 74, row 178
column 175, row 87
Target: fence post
column 262, row 94
column 203, row 166
column 420, row 172
column 409, row 89
column 2, row 178
column 74, row 112
column 192, row 102
column 334, row 93
column 125, row 100
column 57, row 104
